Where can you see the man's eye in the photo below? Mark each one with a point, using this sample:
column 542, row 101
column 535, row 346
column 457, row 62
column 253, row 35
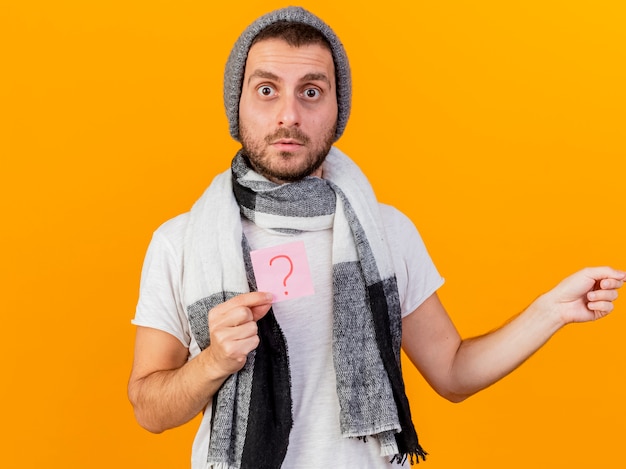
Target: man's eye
column 312, row 93
column 266, row 91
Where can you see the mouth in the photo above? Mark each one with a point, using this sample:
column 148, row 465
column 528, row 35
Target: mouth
column 287, row 141
column 287, row 144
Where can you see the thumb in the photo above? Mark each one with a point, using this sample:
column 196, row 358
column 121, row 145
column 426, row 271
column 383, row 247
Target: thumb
column 260, row 310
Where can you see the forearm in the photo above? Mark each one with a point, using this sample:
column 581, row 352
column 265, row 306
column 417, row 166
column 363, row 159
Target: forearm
column 457, row 368
column 481, row 361
column 166, row 389
column 166, row 399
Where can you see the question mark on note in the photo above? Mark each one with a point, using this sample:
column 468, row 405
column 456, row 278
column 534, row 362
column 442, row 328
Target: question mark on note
column 275, row 266
column 290, row 268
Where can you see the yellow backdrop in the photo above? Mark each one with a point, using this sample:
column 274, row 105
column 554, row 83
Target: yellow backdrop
column 498, row 127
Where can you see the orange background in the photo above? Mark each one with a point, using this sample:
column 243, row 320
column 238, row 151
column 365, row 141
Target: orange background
column 498, row 127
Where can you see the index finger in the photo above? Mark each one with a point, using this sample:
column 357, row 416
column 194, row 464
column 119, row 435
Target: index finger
column 599, row 273
column 611, row 284
column 249, row 299
column 258, row 302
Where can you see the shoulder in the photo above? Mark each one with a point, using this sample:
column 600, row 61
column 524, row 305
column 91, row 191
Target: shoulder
column 174, row 227
column 171, row 234
column 402, row 236
column 165, row 250
column 396, row 223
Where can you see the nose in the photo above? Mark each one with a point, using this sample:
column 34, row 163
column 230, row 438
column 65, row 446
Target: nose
column 289, row 111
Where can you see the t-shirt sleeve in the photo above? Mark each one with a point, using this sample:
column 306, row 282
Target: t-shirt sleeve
column 160, row 300
column 417, row 276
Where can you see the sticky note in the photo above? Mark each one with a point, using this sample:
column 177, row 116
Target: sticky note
column 283, row 271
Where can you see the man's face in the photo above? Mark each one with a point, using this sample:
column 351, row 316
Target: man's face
column 288, row 109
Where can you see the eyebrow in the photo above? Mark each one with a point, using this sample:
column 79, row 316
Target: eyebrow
column 264, row 74
column 316, row 77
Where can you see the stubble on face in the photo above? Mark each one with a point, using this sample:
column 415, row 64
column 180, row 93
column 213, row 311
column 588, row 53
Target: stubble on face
column 280, row 170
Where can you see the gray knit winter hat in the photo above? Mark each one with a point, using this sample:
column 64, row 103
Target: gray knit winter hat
column 233, row 75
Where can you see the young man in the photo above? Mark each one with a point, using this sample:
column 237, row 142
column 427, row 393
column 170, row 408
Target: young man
column 315, row 381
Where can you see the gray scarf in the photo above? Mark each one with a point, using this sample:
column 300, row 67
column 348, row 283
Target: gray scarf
column 251, row 417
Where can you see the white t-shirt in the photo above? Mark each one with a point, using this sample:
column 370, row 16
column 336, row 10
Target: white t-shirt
column 315, row 440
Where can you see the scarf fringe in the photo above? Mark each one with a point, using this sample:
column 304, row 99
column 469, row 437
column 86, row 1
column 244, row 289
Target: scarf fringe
column 413, row 456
